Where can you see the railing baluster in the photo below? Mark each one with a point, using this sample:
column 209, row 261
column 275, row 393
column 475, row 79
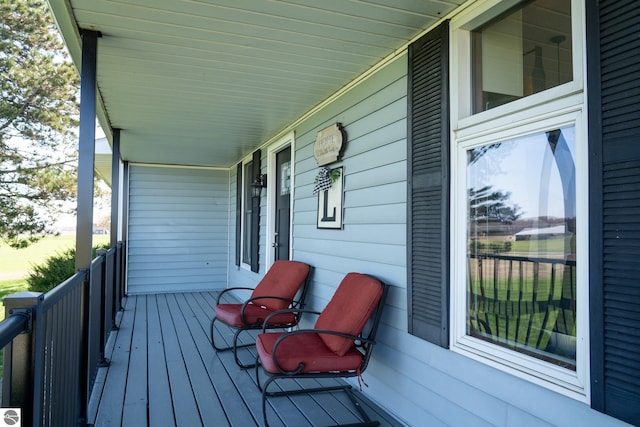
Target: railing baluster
column 48, row 371
column 531, row 312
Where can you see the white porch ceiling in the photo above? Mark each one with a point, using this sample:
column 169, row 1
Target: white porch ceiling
column 205, row 82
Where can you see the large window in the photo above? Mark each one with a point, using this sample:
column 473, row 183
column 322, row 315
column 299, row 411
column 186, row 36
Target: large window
column 519, row 235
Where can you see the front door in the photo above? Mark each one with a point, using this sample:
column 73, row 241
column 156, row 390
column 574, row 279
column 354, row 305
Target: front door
column 282, row 204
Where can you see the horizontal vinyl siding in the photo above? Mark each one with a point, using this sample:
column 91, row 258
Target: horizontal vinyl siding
column 178, row 229
column 421, row 383
column 373, row 238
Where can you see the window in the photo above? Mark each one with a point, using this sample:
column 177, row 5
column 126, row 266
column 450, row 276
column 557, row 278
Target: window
column 521, row 239
column 518, row 259
column 247, row 212
column 525, row 51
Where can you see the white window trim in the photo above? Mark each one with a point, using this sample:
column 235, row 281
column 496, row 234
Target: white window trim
column 551, row 109
column 460, row 46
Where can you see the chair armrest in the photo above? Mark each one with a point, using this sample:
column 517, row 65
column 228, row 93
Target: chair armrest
column 286, row 310
column 325, row 332
column 310, row 331
column 224, row 291
column 252, row 301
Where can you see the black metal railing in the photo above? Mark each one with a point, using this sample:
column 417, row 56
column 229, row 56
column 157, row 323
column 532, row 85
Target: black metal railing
column 526, row 303
column 54, row 343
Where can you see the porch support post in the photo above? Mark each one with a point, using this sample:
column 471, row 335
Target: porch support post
column 125, row 200
column 84, row 227
column 86, row 148
column 115, row 188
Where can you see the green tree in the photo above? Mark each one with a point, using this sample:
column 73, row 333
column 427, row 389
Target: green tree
column 487, row 204
column 39, row 89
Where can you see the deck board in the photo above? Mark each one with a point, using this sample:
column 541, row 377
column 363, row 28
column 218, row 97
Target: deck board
column 159, row 412
column 163, row 371
column 135, row 401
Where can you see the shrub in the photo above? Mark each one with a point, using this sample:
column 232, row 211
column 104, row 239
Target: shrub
column 494, row 247
column 54, row 270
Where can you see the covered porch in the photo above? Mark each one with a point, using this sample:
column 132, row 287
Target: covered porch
column 163, row 371
column 203, row 102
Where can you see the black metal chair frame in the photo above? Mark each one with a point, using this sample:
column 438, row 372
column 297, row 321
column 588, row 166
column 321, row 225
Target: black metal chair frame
column 295, row 304
column 363, row 342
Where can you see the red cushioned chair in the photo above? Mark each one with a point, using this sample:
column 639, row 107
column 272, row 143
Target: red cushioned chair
column 339, row 345
column 284, row 286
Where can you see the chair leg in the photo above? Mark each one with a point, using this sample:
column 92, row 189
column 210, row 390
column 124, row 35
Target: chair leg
column 264, row 395
column 231, row 347
column 366, row 421
column 213, row 342
column 235, row 350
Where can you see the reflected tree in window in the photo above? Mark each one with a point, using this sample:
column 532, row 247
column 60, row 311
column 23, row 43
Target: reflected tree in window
column 521, row 245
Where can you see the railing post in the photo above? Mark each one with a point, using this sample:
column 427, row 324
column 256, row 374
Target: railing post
column 123, row 273
column 19, row 357
column 106, row 302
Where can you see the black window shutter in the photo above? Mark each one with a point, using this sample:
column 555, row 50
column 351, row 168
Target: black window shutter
column 238, row 212
column 613, row 60
column 428, row 187
column 255, row 216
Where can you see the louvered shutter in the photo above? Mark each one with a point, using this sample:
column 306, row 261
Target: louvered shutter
column 238, row 212
column 255, row 217
column 428, row 187
column 614, row 117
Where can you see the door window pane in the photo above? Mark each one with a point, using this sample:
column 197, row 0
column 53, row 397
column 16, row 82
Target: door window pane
column 521, row 237
column 521, row 53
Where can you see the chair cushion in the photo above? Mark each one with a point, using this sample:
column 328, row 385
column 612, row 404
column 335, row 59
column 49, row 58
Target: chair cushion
column 254, row 315
column 283, row 279
column 306, row 348
column 349, row 309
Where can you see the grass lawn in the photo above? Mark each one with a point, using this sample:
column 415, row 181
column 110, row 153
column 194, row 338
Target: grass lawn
column 18, row 262
column 8, row 287
column 541, row 246
column 15, row 264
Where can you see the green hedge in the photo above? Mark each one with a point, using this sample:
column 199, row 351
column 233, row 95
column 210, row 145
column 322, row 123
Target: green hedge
column 55, row 270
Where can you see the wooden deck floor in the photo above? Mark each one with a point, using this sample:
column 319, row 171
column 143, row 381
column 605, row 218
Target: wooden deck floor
column 164, row 372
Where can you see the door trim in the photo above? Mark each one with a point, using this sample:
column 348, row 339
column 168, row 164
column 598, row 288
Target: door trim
column 284, row 142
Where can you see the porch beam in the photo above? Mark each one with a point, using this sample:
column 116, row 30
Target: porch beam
column 86, row 148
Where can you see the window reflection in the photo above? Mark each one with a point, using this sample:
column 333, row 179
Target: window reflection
column 522, row 52
column 521, row 263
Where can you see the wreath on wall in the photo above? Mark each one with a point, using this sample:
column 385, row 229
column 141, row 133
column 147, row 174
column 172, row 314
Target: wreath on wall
column 326, row 177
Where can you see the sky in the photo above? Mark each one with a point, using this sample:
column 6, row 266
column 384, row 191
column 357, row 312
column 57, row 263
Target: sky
column 525, row 167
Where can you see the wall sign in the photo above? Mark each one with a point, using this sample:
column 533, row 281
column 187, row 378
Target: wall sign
column 330, row 205
column 328, row 145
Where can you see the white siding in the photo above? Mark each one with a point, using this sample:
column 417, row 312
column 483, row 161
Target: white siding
column 178, row 229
